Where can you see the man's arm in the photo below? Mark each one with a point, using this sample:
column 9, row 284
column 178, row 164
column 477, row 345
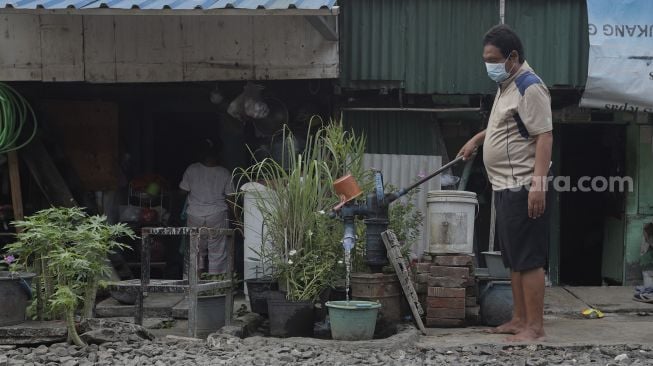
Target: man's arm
column 537, row 194
column 470, row 147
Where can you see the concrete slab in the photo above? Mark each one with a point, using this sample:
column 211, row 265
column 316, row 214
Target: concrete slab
column 34, row 332
column 613, row 329
column 558, row 301
column 156, row 306
column 612, row 299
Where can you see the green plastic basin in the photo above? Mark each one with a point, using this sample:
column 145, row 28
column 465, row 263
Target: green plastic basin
column 353, row 320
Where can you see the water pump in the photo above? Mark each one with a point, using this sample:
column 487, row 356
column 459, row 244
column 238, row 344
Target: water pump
column 374, row 209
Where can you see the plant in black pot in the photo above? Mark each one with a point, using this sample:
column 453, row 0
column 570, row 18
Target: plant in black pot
column 304, row 242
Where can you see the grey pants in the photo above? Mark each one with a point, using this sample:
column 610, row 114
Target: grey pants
column 213, row 249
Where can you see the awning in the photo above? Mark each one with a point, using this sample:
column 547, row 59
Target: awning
column 173, row 7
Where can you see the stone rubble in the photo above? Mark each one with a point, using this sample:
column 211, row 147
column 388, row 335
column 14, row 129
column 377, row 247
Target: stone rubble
column 224, row 349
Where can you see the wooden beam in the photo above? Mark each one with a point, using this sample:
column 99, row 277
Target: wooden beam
column 16, row 192
column 322, row 25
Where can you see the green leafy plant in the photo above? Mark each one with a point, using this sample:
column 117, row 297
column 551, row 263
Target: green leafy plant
column 68, row 250
column 306, row 243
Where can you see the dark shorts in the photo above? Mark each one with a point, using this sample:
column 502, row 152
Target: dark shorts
column 524, row 242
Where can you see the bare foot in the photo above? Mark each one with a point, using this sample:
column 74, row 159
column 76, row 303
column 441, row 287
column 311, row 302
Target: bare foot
column 512, row 327
column 527, row 335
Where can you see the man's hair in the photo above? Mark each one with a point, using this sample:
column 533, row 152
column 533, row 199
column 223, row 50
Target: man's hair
column 505, row 39
column 209, row 150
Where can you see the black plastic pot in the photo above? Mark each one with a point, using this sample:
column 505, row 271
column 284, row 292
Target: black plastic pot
column 290, row 318
column 258, row 290
column 15, row 294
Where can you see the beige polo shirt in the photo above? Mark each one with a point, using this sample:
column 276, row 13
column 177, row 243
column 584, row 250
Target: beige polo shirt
column 521, row 111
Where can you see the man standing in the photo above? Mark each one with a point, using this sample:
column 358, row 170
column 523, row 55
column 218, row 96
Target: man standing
column 517, row 156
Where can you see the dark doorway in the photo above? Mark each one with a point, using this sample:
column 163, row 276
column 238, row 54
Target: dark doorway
column 588, row 151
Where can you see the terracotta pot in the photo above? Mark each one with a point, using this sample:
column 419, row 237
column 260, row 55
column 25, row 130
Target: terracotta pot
column 347, row 189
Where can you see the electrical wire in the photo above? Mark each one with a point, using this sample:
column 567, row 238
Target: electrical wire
column 15, row 112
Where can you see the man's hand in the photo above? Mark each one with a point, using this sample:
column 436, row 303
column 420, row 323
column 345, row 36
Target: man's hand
column 537, row 199
column 469, row 149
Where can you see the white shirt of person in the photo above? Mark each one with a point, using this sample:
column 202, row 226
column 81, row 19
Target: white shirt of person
column 208, row 188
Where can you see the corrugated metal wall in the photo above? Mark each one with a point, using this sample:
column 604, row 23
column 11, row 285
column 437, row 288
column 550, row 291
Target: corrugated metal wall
column 555, row 37
column 394, row 132
column 443, row 45
column 434, row 46
column 403, row 170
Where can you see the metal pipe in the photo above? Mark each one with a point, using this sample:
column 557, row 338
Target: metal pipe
column 394, row 196
column 397, row 109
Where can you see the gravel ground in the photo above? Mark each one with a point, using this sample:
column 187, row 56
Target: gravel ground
column 229, row 350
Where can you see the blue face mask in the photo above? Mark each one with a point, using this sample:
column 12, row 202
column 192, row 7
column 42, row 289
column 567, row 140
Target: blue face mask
column 497, row 72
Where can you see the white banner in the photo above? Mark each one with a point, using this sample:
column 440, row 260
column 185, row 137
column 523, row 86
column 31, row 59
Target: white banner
column 620, row 69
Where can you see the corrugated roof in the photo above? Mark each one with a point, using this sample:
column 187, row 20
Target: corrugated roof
column 169, row 4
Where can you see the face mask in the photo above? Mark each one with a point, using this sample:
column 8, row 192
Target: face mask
column 497, row 72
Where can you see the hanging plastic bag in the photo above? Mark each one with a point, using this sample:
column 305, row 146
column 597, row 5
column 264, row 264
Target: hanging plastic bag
column 249, row 103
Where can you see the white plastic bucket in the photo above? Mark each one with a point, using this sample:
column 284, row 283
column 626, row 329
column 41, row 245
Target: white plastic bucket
column 450, row 217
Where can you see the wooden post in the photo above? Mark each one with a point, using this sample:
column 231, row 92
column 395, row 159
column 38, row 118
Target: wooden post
column 192, row 283
column 229, row 300
column 145, row 276
column 14, row 180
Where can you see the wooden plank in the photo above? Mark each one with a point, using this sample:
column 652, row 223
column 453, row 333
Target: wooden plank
column 148, row 49
column 99, row 49
column 217, row 48
column 393, row 249
column 62, row 48
column 192, row 285
column 302, row 54
column 46, row 175
column 16, row 192
column 20, row 43
column 87, row 132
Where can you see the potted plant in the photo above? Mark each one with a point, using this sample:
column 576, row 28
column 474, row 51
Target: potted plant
column 305, row 243
column 15, row 292
column 68, row 250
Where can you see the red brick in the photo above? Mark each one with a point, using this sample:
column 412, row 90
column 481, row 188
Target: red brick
column 450, row 282
column 421, row 288
column 452, row 272
column 422, row 278
column 446, row 292
column 423, row 267
column 454, row 260
column 445, row 313
column 444, row 323
column 446, row 302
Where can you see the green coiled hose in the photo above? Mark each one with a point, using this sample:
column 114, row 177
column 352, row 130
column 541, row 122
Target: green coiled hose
column 15, row 112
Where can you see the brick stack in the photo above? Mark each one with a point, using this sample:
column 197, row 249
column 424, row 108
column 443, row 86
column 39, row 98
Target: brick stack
column 447, row 290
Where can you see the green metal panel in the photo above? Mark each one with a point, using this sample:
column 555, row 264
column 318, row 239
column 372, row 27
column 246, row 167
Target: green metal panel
column 645, row 163
column 555, row 37
column 444, row 46
column 431, row 46
column 434, row 46
column 372, row 36
column 612, row 266
column 632, row 164
column 633, row 238
column 394, row 132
